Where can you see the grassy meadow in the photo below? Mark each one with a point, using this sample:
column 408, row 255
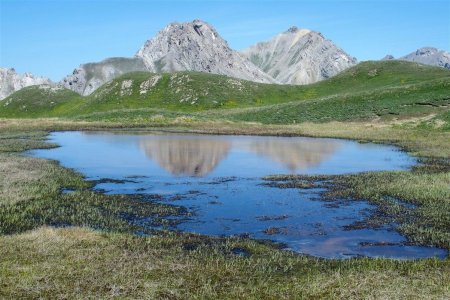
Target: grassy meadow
column 79, row 245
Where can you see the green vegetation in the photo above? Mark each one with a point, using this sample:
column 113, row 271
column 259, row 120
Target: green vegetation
column 418, row 200
column 32, row 194
column 82, row 244
column 36, row 101
column 427, row 221
column 440, row 121
column 103, row 258
column 370, row 90
column 81, row 263
column 416, row 100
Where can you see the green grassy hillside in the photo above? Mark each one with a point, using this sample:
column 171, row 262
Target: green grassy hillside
column 185, row 91
column 36, row 101
column 410, row 101
column 367, row 91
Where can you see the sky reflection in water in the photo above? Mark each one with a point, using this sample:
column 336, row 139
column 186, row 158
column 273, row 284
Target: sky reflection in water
column 219, row 178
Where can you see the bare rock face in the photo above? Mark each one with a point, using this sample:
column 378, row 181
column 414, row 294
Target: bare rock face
column 388, row 57
column 299, row 56
column 10, row 81
column 196, row 46
column 88, row 77
column 429, row 56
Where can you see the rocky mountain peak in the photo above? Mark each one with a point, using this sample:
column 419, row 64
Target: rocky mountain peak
column 88, row 77
column 426, row 51
column 198, row 27
column 429, row 56
column 196, row 46
column 11, row 81
column 292, row 29
column 299, row 56
column 297, row 32
column 190, row 46
column 388, row 57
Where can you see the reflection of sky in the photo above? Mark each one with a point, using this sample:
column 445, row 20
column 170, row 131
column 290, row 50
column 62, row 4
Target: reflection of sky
column 217, row 156
column 226, row 194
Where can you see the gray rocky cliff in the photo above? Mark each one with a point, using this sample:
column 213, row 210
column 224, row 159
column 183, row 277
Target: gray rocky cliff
column 89, row 77
column 11, row 81
column 299, row 56
column 429, row 56
column 196, row 46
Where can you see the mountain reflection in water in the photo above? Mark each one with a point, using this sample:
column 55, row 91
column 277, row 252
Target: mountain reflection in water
column 295, row 155
column 189, row 156
column 219, row 180
column 198, row 156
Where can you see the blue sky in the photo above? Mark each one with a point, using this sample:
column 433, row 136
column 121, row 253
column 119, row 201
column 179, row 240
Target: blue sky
column 52, row 37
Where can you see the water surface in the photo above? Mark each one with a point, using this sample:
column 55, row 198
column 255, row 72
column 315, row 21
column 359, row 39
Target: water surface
column 219, row 179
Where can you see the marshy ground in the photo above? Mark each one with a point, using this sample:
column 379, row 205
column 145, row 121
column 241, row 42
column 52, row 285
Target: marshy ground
column 79, row 245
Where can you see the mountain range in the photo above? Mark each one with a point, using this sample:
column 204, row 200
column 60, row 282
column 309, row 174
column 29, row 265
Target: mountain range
column 426, row 55
column 193, row 46
column 297, row 56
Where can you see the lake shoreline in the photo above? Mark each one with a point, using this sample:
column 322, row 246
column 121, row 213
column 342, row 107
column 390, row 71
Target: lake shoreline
column 198, row 252
column 406, row 134
column 140, row 164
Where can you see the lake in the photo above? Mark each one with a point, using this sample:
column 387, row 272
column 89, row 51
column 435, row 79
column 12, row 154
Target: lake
column 219, row 179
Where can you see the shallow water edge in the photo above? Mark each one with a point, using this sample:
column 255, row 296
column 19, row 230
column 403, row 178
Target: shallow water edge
column 219, row 180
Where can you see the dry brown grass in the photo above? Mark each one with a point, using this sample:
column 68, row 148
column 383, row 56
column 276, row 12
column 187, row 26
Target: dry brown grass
column 16, row 174
column 79, row 263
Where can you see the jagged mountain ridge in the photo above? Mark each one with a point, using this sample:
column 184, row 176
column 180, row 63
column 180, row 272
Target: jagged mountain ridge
column 303, row 57
column 196, row 46
column 299, row 56
column 88, row 77
column 11, row 81
column 191, row 46
column 427, row 56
